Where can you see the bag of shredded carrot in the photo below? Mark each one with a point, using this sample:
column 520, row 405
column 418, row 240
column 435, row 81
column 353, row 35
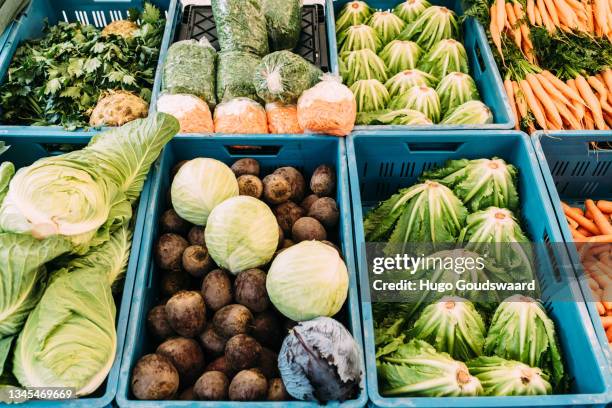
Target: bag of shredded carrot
column 192, row 112
column 241, row 115
column 328, row 107
column 282, row 119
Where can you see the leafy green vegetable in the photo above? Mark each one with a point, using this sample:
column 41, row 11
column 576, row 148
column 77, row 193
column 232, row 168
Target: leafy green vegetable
column 76, row 318
column 403, row 81
column 421, row 98
column 7, row 171
column 501, row 377
column 362, row 64
column 190, row 68
column 427, row 212
column 9, row 11
column 455, row 89
column 387, row 25
column 23, row 276
column 400, row 55
column 452, row 325
column 520, row 330
column 417, row 369
column 434, row 24
column 235, row 75
column 353, row 13
column 359, row 37
column 284, row 22
column 410, row 10
column 480, row 183
column 469, row 113
column 58, row 79
column 445, row 57
column 393, row 117
column 370, row 94
column 241, row 26
column 283, row 76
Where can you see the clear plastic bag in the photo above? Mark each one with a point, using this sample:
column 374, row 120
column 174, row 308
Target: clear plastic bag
column 235, row 75
column 284, row 20
column 282, row 119
column 241, row 115
column 192, row 112
column 241, row 25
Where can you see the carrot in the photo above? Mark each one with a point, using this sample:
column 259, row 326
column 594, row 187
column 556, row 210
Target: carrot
column 565, row 89
column 607, row 76
column 602, row 310
column 589, row 123
column 566, row 14
column 545, row 99
column 593, row 284
column 495, row 32
column 598, row 86
column 599, row 276
column 605, row 206
column 510, row 92
column 591, row 101
column 531, row 12
column 533, row 104
column 599, row 238
column 567, row 115
column 551, row 89
column 574, row 210
column 538, row 16
column 589, row 14
column 577, row 235
column 511, row 22
column 584, row 232
column 552, row 12
column 520, row 100
column 600, row 13
column 500, row 14
column 583, row 222
column 572, row 224
column 600, row 220
column 609, row 334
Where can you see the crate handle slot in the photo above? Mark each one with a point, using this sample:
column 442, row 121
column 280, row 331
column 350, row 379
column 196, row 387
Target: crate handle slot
column 253, row 150
column 150, row 277
column 479, row 58
column 447, row 147
column 598, row 149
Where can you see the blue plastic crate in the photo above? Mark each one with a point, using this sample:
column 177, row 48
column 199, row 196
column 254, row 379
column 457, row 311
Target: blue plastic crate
column 573, row 171
column 380, row 164
column 480, row 57
column 23, row 151
column 98, row 13
column 302, row 152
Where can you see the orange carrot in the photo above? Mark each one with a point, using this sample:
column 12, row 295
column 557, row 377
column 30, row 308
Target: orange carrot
column 607, row 76
column 589, row 13
column 496, row 32
column 533, row 104
column 605, row 206
column 573, row 210
column 545, row 99
column 537, row 15
column 600, row 13
column 510, row 92
column 583, row 222
column 600, row 220
column 572, row 224
column 602, row 310
column 577, row 235
column 531, row 12
column 500, row 14
column 584, row 232
column 599, row 238
column 598, row 86
column 567, row 116
column 565, row 89
column 591, row 101
column 552, row 12
column 511, row 22
column 551, row 89
column 609, row 334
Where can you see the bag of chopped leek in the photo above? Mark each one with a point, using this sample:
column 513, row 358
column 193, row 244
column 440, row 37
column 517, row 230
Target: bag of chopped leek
column 521, row 330
column 401, row 82
column 469, row 113
column 400, row 55
column 353, row 13
column 404, row 117
column 410, row 10
column 501, row 378
column 235, row 75
column 387, row 25
column 417, row 369
column 434, row 24
column 455, row 89
column 362, row 64
column 284, row 22
column 421, row 98
column 445, row 57
column 370, row 94
column 452, row 325
column 241, row 26
column 359, row 37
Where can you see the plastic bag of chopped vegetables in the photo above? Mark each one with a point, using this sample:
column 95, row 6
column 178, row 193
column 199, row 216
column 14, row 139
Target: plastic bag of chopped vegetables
column 192, row 112
column 190, row 69
column 328, row 107
column 235, row 75
column 241, row 115
column 241, row 25
column 284, row 21
column 282, row 119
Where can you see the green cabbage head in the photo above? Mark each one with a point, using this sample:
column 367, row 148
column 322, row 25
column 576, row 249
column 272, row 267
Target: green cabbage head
column 241, row 233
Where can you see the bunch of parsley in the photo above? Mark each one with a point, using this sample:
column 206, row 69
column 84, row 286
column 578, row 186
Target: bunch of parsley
column 58, row 79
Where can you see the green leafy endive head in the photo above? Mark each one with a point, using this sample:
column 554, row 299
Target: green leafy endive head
column 421, row 98
column 7, row 171
column 410, row 10
column 359, row 37
column 370, row 94
column 434, row 24
column 469, row 113
column 455, row 89
column 500, row 377
column 353, row 13
column 401, row 82
column 401, row 55
column 387, row 25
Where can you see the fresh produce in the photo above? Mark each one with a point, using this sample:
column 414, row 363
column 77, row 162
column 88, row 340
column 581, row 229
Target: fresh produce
column 240, row 115
column 410, row 10
column 452, row 325
column 400, row 55
column 402, row 81
column 186, row 313
column 76, row 317
column 154, row 378
column 328, row 107
column 520, row 330
column 371, row 95
column 362, row 64
column 7, row 171
column 199, row 186
column 434, row 24
column 417, row 369
column 59, row 78
column 192, row 112
column 116, row 108
column 359, row 37
column 387, row 25
column 9, row 11
column 235, row 75
column 501, row 377
column 189, row 68
column 480, row 183
column 469, row 113
column 241, row 26
column 402, row 218
column 284, row 22
column 393, row 117
column 444, row 57
column 455, row 89
column 283, row 76
column 241, row 233
column 122, row 28
column 85, row 194
column 308, row 280
column 283, row 119
column 319, row 361
column 420, row 98
column 353, row 13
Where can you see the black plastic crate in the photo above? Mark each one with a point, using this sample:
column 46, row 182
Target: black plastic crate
column 198, row 22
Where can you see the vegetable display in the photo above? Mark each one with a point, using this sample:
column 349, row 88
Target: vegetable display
column 60, row 78
column 284, row 22
column 232, row 287
column 416, row 45
column 65, row 244
column 507, row 377
column 241, row 26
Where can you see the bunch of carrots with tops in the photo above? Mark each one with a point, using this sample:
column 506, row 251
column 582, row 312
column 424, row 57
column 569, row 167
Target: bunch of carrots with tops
column 592, row 232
